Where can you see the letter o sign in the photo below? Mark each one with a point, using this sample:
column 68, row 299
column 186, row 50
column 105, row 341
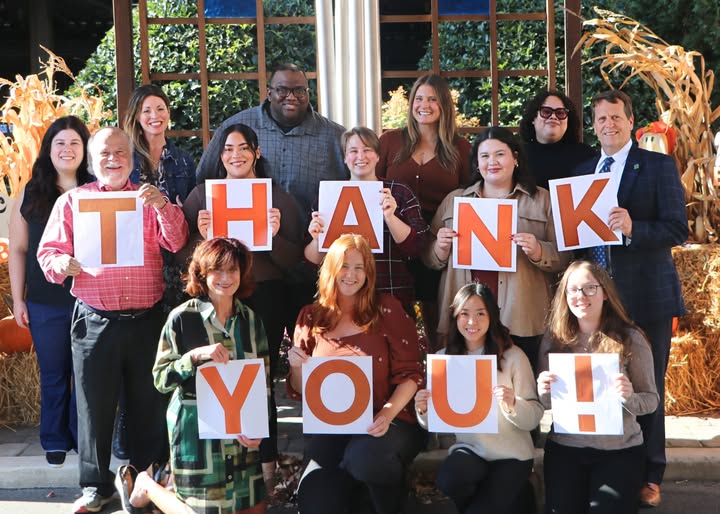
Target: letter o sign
column 314, row 399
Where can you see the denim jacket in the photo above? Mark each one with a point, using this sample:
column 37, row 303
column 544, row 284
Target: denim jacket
column 175, row 175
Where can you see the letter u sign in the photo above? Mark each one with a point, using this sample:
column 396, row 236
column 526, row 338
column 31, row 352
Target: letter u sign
column 461, row 393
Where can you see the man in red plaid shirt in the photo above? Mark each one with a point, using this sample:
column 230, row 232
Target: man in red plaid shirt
column 116, row 322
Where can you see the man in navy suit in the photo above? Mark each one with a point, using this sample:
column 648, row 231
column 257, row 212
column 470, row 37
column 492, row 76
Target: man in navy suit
column 651, row 216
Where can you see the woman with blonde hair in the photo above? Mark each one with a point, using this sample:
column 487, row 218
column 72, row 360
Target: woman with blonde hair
column 585, row 472
column 432, row 159
column 349, row 318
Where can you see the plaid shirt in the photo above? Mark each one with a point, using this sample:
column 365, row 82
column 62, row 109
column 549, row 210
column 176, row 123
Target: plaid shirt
column 120, row 288
column 393, row 275
column 296, row 160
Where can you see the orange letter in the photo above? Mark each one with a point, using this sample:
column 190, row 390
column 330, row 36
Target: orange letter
column 314, row 400
column 257, row 213
column 232, row 404
column 483, row 394
column 350, row 195
column 570, row 217
column 584, row 390
column 499, row 249
column 107, row 207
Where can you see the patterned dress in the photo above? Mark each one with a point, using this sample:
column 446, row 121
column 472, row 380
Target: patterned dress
column 211, row 476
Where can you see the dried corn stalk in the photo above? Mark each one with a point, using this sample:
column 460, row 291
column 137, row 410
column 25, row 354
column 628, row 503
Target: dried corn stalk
column 30, row 109
column 683, row 101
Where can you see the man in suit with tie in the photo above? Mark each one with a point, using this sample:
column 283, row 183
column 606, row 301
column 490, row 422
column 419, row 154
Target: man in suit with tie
column 651, row 216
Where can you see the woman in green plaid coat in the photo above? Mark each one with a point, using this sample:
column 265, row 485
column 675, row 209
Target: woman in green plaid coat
column 211, row 476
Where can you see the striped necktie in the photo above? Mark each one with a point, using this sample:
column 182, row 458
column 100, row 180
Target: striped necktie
column 600, row 253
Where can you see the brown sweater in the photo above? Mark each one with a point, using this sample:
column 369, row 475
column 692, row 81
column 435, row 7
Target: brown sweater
column 430, row 181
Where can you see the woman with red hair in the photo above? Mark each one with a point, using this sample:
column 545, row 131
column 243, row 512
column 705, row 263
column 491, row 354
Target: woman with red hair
column 349, row 318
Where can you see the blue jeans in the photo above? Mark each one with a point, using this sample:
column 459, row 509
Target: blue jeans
column 50, row 330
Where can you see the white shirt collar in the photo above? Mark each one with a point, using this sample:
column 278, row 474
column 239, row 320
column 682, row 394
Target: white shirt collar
column 620, row 157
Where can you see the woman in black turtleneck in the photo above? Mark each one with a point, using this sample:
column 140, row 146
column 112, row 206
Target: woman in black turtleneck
column 550, row 129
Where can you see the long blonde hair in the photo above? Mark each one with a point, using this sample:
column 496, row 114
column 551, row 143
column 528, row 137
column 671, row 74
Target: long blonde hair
column 612, row 335
column 447, row 154
column 326, row 311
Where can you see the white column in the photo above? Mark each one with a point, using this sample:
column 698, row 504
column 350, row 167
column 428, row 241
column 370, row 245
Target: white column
column 354, row 89
column 326, row 57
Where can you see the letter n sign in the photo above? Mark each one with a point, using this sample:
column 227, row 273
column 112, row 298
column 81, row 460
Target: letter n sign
column 484, row 234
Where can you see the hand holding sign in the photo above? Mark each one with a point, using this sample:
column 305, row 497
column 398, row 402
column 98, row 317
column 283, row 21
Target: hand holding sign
column 240, row 208
column 484, row 229
column 232, row 400
column 66, row 265
column 350, row 207
column 151, row 196
column 585, row 393
column 580, row 206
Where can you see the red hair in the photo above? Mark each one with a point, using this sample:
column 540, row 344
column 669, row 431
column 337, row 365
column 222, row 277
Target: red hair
column 326, row 311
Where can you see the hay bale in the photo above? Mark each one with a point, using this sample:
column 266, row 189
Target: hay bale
column 19, row 389
column 4, row 288
column 692, row 380
column 699, row 269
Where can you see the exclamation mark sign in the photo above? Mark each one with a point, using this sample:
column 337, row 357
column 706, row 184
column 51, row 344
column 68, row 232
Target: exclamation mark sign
column 584, row 390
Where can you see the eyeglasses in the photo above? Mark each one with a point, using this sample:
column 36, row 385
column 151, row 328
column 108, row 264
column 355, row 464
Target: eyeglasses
column 284, row 92
column 546, row 111
column 588, row 290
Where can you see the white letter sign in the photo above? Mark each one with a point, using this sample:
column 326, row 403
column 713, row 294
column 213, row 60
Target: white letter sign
column 239, row 208
column 232, row 399
column 581, row 207
column 337, row 395
column 98, row 239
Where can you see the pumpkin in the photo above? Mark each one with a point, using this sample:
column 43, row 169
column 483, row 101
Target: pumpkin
column 14, row 339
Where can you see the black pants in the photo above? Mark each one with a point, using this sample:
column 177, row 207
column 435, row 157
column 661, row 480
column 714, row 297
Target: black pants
column 584, row 480
column 270, row 304
column 531, row 346
column 339, row 461
column 107, row 352
column 659, row 333
column 478, row 486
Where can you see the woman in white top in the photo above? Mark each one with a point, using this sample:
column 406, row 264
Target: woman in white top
column 489, row 472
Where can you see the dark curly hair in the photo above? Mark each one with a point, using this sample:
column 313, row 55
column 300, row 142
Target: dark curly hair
column 42, row 188
column 574, row 127
column 521, row 175
column 217, row 254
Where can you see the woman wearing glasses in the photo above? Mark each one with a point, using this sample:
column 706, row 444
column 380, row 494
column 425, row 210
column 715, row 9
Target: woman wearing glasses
column 550, row 129
column 602, row 471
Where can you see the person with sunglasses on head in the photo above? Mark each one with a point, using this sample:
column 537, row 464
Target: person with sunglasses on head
column 551, row 129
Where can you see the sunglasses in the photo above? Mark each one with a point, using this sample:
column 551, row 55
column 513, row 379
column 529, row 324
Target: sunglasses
column 560, row 113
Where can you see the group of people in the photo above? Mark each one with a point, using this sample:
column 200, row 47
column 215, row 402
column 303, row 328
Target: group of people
column 134, row 335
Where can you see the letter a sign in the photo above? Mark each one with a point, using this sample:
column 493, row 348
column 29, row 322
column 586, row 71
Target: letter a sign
column 351, row 207
column 108, row 229
column 461, row 393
